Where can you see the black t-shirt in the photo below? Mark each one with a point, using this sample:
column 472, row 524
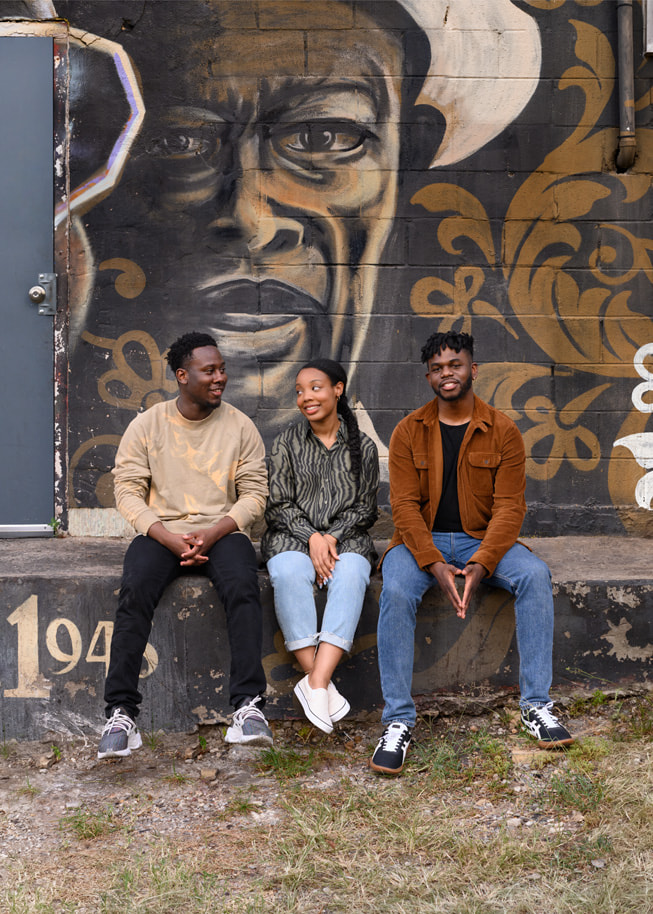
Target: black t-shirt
column 447, row 518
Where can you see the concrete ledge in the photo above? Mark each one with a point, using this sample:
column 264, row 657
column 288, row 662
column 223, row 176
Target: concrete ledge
column 58, row 598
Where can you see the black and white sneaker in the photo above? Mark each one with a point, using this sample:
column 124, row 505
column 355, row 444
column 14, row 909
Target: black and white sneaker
column 390, row 753
column 545, row 727
column 119, row 737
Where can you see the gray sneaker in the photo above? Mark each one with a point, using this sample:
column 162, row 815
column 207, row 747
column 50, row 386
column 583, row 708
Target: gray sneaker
column 119, row 736
column 249, row 727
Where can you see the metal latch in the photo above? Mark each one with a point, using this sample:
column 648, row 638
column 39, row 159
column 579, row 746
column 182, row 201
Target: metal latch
column 45, row 293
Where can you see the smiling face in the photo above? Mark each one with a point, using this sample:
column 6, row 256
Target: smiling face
column 317, row 397
column 201, row 381
column 272, row 173
column 451, row 374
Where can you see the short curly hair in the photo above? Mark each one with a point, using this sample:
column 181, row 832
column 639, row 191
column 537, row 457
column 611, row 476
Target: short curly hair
column 181, row 350
column 448, row 340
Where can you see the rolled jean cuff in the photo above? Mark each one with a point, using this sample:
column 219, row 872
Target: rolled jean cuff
column 299, row 643
column 336, row 640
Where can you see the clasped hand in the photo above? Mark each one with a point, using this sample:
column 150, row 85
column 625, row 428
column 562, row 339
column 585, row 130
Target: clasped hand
column 323, row 552
column 445, row 575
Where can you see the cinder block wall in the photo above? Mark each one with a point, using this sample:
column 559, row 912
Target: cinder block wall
column 345, row 178
column 57, row 605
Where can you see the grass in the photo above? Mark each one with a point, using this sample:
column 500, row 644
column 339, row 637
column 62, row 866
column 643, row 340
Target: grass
column 85, row 824
column 29, row 790
column 286, row 763
column 441, row 839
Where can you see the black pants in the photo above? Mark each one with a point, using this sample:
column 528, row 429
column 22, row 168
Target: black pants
column 148, row 569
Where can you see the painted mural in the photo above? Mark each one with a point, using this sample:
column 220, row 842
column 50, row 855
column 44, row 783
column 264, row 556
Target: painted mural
column 306, row 177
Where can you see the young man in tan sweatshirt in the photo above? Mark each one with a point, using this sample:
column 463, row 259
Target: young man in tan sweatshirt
column 190, row 477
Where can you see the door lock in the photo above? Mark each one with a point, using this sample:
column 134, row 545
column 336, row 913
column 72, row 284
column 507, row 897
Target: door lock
column 45, row 293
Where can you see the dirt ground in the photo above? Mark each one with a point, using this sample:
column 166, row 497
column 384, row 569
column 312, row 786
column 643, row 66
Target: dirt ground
column 178, row 782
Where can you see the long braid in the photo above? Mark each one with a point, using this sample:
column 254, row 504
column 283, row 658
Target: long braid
column 335, row 372
column 354, row 436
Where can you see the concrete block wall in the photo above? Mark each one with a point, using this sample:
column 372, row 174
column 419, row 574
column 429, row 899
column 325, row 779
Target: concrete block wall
column 57, row 604
column 345, row 178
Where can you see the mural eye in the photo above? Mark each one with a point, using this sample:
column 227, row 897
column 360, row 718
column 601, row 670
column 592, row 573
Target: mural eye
column 174, row 145
column 321, row 138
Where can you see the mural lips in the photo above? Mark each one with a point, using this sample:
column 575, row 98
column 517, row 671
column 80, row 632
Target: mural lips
column 265, row 318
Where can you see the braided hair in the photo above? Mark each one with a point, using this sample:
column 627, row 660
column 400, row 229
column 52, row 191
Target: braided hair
column 335, row 372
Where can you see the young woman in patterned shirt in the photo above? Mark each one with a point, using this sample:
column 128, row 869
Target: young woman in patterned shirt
column 324, row 475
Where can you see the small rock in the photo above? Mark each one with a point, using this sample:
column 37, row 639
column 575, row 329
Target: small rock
column 514, row 822
column 208, row 774
column 599, row 864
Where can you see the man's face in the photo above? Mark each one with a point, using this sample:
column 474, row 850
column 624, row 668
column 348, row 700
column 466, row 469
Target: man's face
column 203, row 379
column 451, row 374
column 272, row 178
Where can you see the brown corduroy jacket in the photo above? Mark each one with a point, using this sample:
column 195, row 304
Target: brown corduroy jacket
column 491, row 482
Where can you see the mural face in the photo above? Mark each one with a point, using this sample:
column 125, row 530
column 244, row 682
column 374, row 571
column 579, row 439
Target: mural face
column 273, row 190
column 341, row 179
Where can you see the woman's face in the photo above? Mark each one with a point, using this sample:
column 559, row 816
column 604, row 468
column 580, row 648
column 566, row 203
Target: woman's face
column 317, row 397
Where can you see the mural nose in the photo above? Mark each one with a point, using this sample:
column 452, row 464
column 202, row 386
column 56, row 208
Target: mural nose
column 252, row 218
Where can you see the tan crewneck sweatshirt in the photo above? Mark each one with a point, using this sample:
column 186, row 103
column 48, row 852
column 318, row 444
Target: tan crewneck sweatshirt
column 189, row 475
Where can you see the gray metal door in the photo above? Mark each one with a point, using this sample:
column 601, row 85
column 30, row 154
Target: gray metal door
column 26, row 252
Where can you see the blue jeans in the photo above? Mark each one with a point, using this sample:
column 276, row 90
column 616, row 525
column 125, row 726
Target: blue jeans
column 404, row 584
column 292, row 575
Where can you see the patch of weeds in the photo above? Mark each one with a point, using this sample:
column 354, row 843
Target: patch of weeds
column 641, row 720
column 576, row 790
column 87, row 824
column 439, row 759
column 7, row 749
column 176, row 776
column 304, row 733
column 29, row 790
column 24, row 900
column 56, row 751
column 152, row 737
column 579, row 851
column 285, row 763
column 543, row 758
column 598, row 698
column 241, row 804
column 495, row 759
column 203, row 743
column 590, row 749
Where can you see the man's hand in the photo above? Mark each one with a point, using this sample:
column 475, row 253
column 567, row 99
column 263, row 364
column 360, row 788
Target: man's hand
column 473, row 574
column 323, row 551
column 445, row 576
column 192, row 548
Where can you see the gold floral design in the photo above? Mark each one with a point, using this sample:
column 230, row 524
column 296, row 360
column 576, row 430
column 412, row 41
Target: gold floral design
column 564, row 430
column 141, row 391
column 593, row 328
column 573, row 294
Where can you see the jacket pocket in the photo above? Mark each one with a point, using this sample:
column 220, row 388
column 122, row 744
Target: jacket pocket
column 482, row 466
column 421, row 464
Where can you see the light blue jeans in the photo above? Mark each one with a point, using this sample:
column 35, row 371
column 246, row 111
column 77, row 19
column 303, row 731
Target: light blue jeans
column 292, row 575
column 404, row 584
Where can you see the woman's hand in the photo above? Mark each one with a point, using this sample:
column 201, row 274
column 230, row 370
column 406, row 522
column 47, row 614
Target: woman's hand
column 324, row 555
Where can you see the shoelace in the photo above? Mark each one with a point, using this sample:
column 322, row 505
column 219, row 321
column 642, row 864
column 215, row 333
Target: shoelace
column 393, row 738
column 545, row 715
column 117, row 722
column 248, row 710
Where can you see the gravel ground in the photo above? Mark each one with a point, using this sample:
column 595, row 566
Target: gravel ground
column 178, row 782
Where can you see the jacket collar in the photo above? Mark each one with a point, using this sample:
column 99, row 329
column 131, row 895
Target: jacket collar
column 481, row 414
